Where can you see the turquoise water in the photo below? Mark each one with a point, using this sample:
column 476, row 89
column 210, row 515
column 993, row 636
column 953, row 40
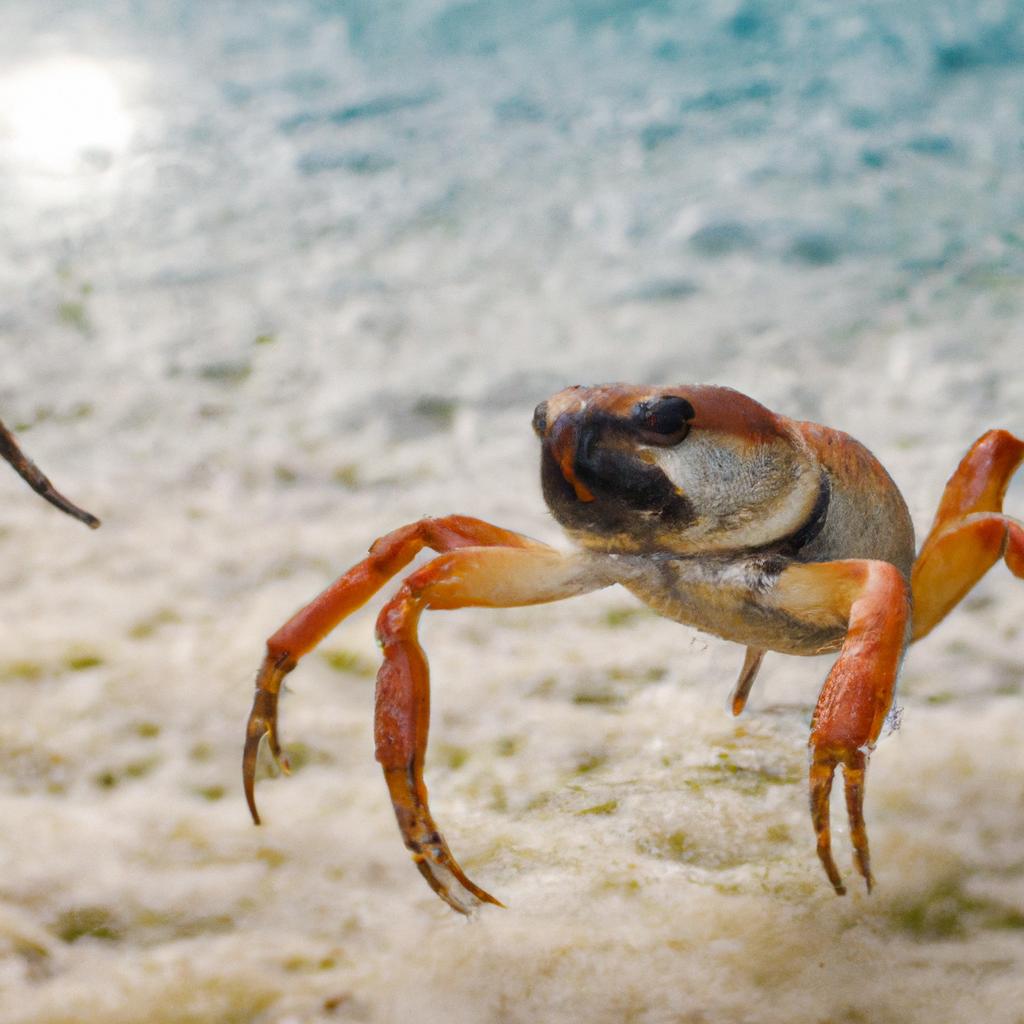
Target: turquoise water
column 485, row 201
column 696, row 170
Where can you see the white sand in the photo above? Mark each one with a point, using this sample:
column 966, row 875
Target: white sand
column 252, row 343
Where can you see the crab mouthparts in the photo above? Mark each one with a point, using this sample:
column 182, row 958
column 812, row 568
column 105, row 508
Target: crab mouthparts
column 562, row 442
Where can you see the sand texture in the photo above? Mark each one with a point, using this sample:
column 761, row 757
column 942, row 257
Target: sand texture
column 297, row 274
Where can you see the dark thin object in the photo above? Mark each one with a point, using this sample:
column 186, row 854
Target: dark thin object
column 34, row 477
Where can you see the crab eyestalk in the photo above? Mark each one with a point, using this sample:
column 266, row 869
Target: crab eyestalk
column 37, row 480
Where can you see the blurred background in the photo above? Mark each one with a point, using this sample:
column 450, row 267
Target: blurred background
column 278, row 277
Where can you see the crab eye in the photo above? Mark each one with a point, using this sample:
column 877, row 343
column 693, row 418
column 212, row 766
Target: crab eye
column 540, row 419
column 663, row 421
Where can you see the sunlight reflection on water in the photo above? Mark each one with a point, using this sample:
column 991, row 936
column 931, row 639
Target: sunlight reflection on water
column 64, row 114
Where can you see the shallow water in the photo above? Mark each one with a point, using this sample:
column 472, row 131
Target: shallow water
column 285, row 278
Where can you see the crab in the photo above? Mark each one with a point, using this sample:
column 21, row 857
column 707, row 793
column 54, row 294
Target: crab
column 34, row 477
column 773, row 533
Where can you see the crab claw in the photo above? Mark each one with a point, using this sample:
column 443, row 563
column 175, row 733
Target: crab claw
column 823, row 767
column 263, row 722
column 430, row 852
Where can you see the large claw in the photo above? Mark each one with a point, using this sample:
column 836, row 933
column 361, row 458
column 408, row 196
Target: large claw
column 823, row 767
column 263, row 722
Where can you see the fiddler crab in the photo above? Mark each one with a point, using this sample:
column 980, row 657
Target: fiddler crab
column 34, row 477
column 776, row 534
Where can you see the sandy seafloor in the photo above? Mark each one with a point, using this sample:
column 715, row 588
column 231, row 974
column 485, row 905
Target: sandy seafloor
column 303, row 279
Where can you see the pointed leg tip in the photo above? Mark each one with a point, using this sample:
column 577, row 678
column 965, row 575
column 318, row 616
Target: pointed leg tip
column 486, row 897
column 250, row 800
column 471, row 902
column 449, row 881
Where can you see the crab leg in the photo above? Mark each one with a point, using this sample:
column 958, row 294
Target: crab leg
column 36, row 479
column 741, row 691
column 970, row 533
column 304, row 630
column 482, row 577
column 872, row 599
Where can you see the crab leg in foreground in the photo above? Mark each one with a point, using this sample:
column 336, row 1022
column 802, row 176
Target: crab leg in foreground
column 776, row 534
column 487, row 577
column 483, row 566
column 34, row 477
column 874, row 600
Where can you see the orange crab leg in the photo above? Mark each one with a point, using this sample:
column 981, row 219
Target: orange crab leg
column 304, row 630
column 741, row 691
column 873, row 599
column 481, row 577
column 37, row 480
column 970, row 533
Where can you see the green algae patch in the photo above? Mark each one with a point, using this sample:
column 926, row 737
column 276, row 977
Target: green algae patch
column 948, row 911
column 618, row 685
column 200, row 752
column 626, row 615
column 178, row 925
column 677, row 845
column 599, row 698
column 694, row 849
column 299, row 964
column 21, row 671
column 229, row 372
column 73, row 313
column 211, row 793
column 626, row 884
column 271, row 856
column 87, row 922
column 1004, row 919
column 652, row 674
column 746, row 780
column 608, row 807
column 25, row 670
column 452, row 756
column 436, row 409
column 590, row 762
column 498, row 799
column 346, row 475
column 146, row 627
column 81, row 659
column 109, row 778
column 349, row 662
column 507, row 746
